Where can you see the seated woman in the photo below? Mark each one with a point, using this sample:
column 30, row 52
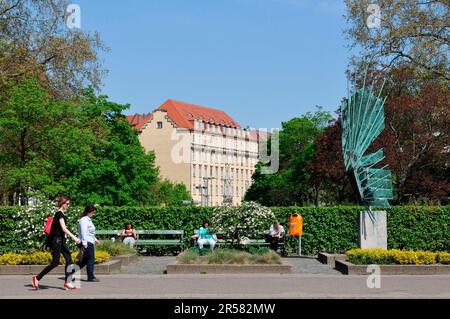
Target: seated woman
column 275, row 235
column 128, row 235
column 205, row 237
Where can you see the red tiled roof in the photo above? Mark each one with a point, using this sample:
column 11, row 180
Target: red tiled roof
column 138, row 120
column 183, row 114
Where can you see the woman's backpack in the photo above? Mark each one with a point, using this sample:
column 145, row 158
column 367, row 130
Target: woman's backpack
column 48, row 226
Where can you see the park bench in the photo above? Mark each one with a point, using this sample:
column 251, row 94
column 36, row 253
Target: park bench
column 222, row 240
column 146, row 238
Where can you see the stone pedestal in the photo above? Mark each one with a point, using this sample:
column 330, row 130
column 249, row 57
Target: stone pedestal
column 372, row 229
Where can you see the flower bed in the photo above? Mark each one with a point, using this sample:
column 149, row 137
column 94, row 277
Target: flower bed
column 229, row 256
column 228, row 261
column 395, row 256
column 116, row 248
column 44, row 258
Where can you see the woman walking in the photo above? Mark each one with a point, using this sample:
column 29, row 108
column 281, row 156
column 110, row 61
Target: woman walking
column 86, row 229
column 56, row 241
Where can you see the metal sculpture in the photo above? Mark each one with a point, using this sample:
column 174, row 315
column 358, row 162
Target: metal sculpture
column 362, row 122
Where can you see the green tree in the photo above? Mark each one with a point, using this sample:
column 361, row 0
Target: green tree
column 291, row 185
column 117, row 170
column 84, row 148
column 410, row 31
column 167, row 193
column 36, row 42
column 32, row 124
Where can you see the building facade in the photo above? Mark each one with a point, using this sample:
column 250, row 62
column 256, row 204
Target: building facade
column 201, row 147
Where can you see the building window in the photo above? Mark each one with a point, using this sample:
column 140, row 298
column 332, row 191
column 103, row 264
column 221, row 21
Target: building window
column 206, row 171
column 194, row 168
column 159, row 125
column 200, row 171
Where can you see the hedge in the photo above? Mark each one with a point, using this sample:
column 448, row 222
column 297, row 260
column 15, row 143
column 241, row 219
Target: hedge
column 330, row 229
column 396, row 256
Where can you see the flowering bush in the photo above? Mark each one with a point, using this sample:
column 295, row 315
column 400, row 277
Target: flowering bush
column 44, row 258
column 31, row 222
column 394, row 256
column 249, row 219
column 444, row 258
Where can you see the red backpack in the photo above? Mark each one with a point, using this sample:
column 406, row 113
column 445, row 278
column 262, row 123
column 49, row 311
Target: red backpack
column 48, row 226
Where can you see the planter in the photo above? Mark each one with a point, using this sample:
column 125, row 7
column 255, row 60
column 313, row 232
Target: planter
column 105, row 268
column 126, row 259
column 227, row 269
column 330, row 259
column 347, row 268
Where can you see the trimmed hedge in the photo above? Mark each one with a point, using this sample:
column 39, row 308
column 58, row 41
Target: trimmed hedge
column 396, row 256
column 330, row 229
column 44, row 258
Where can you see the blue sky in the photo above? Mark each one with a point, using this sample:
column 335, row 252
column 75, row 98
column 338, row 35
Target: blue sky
column 261, row 61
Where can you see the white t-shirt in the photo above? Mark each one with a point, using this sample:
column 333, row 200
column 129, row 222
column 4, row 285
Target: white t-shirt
column 273, row 232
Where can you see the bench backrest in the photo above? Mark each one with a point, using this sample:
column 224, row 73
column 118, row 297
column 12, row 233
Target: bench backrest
column 160, row 232
column 143, row 233
column 108, row 232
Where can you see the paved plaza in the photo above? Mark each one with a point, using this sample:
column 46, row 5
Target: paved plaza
column 310, row 279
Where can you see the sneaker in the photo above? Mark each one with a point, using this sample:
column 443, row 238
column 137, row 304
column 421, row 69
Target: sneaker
column 35, row 282
column 94, row 280
column 70, row 287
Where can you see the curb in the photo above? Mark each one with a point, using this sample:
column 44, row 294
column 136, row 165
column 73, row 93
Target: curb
column 126, row 259
column 105, row 268
column 330, row 259
column 227, row 269
column 348, row 268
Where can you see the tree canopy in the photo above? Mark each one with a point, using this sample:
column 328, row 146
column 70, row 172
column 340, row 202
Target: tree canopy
column 84, row 148
column 409, row 31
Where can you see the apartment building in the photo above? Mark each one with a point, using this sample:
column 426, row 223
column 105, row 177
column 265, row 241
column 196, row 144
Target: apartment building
column 203, row 148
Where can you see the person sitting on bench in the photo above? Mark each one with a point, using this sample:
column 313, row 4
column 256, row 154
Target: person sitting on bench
column 275, row 235
column 128, row 235
column 205, row 237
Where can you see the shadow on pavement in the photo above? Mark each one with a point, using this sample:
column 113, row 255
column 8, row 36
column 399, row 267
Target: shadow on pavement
column 43, row 287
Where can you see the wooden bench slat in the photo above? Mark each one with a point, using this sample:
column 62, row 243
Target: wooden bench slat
column 160, row 232
column 143, row 241
column 107, row 232
column 148, row 241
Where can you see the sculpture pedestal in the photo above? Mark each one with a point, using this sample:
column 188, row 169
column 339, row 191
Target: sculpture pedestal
column 372, row 229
